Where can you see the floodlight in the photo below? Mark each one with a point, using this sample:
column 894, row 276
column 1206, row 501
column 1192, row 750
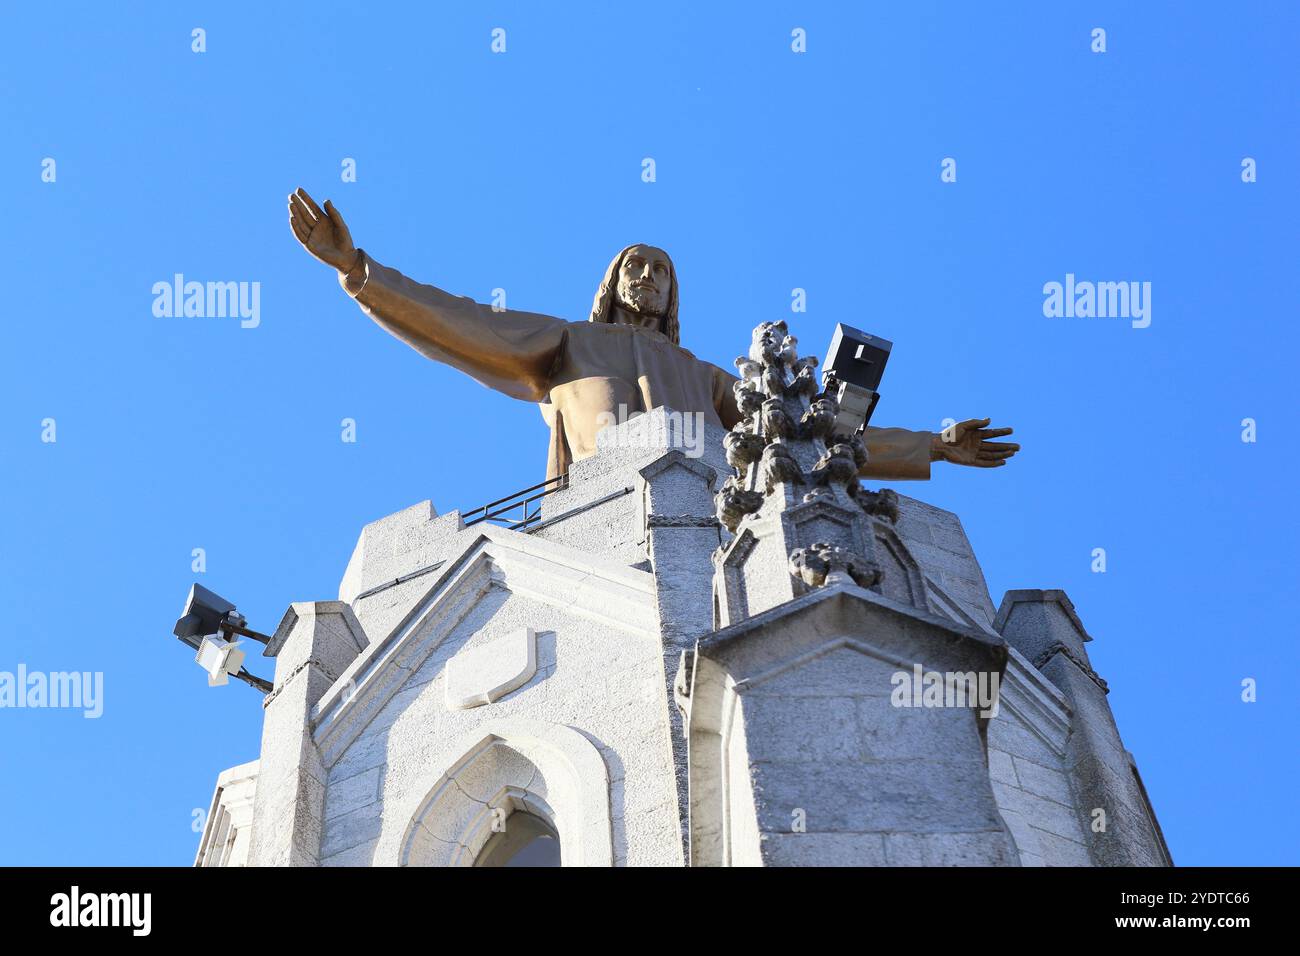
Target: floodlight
column 220, row 658
column 208, row 624
column 854, row 366
column 204, row 611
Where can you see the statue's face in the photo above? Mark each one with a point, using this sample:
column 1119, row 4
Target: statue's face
column 644, row 283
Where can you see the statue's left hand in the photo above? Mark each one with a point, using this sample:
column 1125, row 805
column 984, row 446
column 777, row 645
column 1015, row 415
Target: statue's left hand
column 967, row 443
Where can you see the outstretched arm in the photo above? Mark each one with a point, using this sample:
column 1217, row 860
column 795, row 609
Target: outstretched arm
column 512, row 352
column 898, row 453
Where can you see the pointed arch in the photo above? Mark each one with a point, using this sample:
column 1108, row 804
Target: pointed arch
column 506, row 766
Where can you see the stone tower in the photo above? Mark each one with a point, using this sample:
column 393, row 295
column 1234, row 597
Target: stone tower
column 709, row 648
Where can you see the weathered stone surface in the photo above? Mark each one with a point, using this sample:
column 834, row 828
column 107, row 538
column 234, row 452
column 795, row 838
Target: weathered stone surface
column 481, row 675
column 816, row 740
column 317, row 642
column 986, row 848
column 824, row 849
column 227, row 833
column 1102, row 777
column 586, row 724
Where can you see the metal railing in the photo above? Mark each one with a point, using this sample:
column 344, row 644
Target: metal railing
column 519, row 510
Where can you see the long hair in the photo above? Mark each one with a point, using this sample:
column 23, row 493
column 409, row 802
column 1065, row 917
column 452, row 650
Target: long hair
column 602, row 308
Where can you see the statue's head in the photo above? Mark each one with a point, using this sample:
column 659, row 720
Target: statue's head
column 643, row 283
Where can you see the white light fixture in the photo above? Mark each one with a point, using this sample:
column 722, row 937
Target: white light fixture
column 220, row 658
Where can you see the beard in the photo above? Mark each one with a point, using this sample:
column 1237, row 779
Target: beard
column 645, row 302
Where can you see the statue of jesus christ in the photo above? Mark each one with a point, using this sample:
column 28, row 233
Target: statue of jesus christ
column 626, row 357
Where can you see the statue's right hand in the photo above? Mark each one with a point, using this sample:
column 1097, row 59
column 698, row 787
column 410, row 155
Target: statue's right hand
column 321, row 232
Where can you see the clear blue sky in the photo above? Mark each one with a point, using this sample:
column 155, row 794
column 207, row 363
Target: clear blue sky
column 523, row 171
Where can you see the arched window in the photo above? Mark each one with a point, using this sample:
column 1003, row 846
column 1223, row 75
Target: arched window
column 517, row 787
column 525, row 840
